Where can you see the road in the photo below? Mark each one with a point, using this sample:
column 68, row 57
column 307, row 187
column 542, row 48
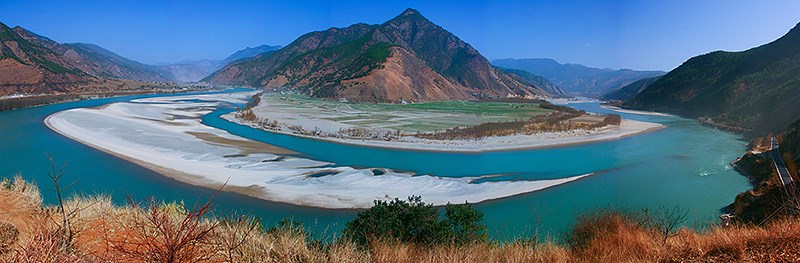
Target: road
column 783, row 173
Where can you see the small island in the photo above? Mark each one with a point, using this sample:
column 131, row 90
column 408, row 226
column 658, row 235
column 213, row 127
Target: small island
column 498, row 124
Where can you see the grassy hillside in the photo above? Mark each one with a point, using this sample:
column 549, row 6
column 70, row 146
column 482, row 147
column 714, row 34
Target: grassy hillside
column 631, row 90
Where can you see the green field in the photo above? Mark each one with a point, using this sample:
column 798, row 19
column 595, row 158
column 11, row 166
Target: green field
column 416, row 117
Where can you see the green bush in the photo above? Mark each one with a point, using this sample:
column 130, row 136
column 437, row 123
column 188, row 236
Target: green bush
column 465, row 224
column 413, row 221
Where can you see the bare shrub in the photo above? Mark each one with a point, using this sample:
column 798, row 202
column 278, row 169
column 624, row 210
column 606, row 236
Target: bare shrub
column 666, row 221
column 167, row 233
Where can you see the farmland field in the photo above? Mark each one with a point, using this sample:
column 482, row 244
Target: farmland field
column 415, row 117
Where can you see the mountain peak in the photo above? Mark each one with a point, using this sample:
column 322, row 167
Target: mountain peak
column 410, row 12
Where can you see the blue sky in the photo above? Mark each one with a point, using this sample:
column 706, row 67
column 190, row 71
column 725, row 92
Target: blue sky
column 613, row 34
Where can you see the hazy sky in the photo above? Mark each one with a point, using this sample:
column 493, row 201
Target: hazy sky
column 635, row 34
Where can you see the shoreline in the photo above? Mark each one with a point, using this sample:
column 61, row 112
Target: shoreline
column 639, row 112
column 52, row 99
column 485, row 145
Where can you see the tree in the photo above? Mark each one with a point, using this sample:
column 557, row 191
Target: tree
column 465, row 224
column 55, row 175
column 404, row 221
column 666, row 221
column 414, row 221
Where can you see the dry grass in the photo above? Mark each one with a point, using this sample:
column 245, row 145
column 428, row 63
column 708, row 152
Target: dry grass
column 107, row 233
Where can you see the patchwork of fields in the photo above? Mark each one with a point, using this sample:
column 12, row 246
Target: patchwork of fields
column 415, row 117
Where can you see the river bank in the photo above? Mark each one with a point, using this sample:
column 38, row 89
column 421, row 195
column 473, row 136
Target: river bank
column 34, row 100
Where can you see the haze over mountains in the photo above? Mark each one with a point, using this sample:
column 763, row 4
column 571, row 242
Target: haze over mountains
column 195, row 70
column 407, row 58
column 756, row 90
column 576, row 79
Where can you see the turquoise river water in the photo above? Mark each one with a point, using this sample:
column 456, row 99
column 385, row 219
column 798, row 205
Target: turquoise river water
column 686, row 164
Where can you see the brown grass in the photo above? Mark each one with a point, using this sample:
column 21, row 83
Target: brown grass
column 105, row 232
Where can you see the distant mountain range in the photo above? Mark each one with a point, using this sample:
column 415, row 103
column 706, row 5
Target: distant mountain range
column 576, row 79
column 195, row 70
column 531, row 79
column 407, row 58
column 31, row 63
column 247, row 53
column 756, row 90
column 190, row 70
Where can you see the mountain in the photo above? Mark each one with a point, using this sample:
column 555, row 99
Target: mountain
column 30, row 63
column 629, row 91
column 407, row 58
column 576, row 79
column 756, row 90
column 98, row 61
column 247, row 53
column 533, row 80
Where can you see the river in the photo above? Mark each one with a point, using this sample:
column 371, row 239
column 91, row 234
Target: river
column 686, row 164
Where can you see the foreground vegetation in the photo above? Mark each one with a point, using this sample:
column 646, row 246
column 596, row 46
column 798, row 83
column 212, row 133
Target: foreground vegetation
column 92, row 229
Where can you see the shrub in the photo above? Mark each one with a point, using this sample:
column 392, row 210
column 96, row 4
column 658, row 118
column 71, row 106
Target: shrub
column 167, row 233
column 465, row 224
column 413, row 221
column 595, row 224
